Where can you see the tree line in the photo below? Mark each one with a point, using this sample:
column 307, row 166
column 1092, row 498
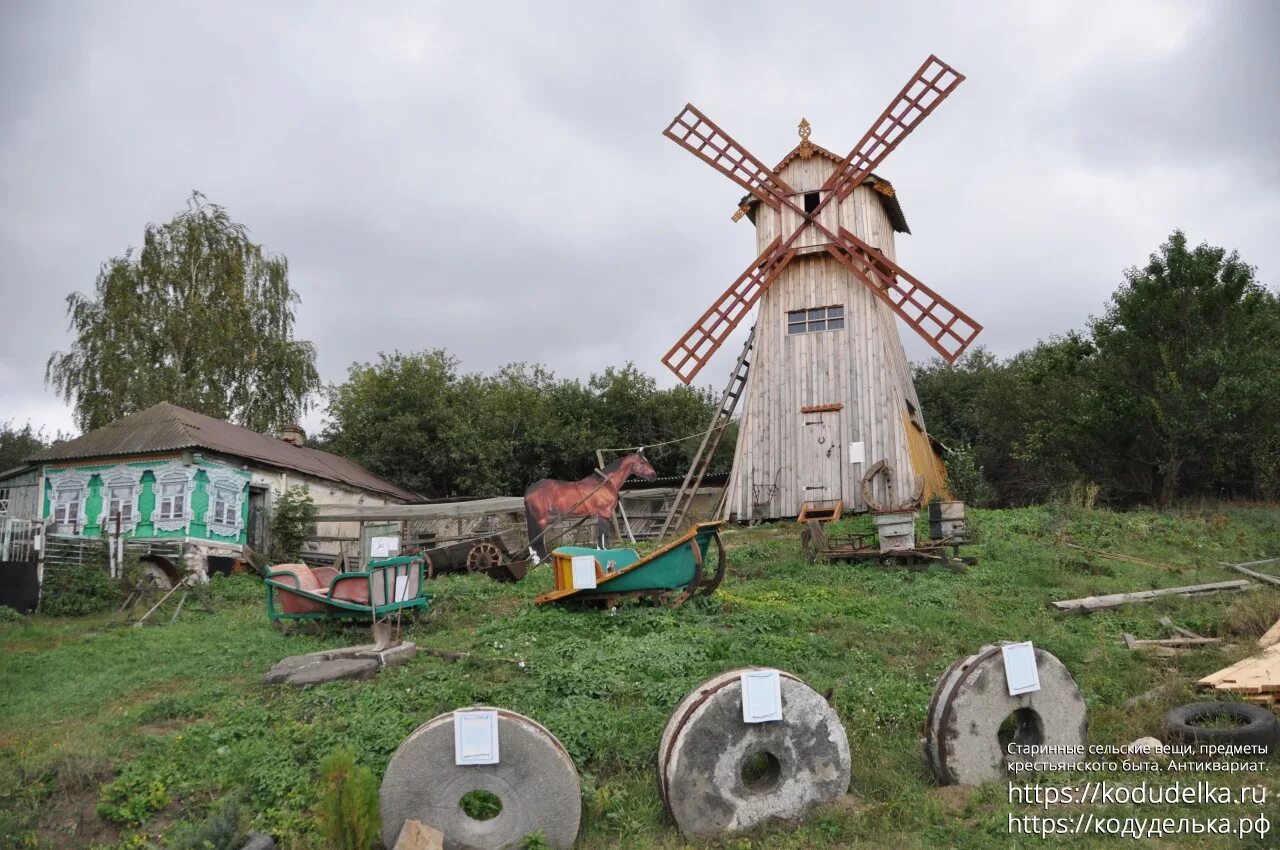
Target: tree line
column 1173, row 392
column 419, row 421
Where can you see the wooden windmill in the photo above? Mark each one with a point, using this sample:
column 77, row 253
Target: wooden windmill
column 829, row 392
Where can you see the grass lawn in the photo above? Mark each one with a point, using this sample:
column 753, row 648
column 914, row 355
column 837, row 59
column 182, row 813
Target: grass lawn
column 115, row 736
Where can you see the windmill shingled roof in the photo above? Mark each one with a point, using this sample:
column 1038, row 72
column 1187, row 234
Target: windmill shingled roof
column 889, row 198
column 166, row 427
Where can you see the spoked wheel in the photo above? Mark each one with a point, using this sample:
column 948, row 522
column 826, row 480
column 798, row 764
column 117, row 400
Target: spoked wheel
column 483, row 556
column 709, row 584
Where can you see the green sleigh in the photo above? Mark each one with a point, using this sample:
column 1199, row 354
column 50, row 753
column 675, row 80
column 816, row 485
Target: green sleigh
column 299, row 592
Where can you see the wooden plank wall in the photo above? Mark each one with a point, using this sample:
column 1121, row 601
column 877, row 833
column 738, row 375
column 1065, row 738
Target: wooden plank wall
column 863, row 367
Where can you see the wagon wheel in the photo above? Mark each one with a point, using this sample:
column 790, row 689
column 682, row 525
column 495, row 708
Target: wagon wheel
column 483, row 556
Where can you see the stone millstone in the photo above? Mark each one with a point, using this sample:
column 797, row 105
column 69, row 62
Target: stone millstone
column 706, row 744
column 535, row 779
column 962, row 739
column 332, row 671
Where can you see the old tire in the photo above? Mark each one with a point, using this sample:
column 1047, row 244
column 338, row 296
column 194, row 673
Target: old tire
column 1258, row 726
column 535, row 780
column 971, row 705
column 791, row 764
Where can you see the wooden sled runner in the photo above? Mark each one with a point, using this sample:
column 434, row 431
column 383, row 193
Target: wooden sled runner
column 671, row 575
column 299, row 592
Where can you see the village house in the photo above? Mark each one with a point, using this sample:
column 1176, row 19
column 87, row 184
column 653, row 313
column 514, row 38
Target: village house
column 196, row 490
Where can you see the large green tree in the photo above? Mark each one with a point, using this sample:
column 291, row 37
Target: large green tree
column 200, row 317
column 1174, row 391
column 18, row 444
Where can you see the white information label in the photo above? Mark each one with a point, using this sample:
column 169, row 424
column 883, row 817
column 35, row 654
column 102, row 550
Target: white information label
column 475, row 737
column 584, row 572
column 402, row 588
column 857, row 452
column 1020, row 671
column 761, row 696
column 383, row 547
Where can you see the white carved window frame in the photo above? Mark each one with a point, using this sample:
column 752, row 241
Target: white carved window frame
column 121, row 476
column 173, row 473
column 72, row 481
column 236, row 484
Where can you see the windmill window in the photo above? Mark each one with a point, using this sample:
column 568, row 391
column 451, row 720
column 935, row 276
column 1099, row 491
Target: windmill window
column 4, row 501
column 811, row 200
column 815, row 319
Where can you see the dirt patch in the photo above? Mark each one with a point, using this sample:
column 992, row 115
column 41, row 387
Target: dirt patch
column 70, row 822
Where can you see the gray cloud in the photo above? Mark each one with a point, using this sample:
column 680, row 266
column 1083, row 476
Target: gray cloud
column 494, row 180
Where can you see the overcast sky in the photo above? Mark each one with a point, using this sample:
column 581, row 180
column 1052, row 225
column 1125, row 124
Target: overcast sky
column 494, row 180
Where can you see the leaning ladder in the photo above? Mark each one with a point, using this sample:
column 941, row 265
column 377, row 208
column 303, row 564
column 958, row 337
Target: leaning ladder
column 710, row 441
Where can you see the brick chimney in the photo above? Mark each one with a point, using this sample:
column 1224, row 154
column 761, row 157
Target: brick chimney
column 293, row 434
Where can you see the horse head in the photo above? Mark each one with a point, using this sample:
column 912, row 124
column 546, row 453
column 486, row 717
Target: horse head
column 641, row 468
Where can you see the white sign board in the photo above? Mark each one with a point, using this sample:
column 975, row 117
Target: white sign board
column 402, row 589
column 475, row 737
column 857, row 452
column 761, row 696
column 384, row 547
column 1020, row 671
column 584, row 572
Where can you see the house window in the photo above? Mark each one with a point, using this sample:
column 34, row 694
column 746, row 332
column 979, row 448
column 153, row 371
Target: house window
column 815, row 319
column 120, row 503
column 67, row 502
column 173, row 500
column 4, row 501
column 226, row 503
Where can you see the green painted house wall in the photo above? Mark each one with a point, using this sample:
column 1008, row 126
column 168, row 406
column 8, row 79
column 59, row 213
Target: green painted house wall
column 198, row 495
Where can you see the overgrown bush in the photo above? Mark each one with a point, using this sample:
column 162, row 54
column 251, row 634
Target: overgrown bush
column 349, row 808
column 965, row 477
column 292, row 515
column 10, row 615
column 76, row 591
column 220, row 830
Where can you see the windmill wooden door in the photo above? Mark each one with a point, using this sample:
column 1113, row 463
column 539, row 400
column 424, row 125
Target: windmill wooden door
column 820, row 471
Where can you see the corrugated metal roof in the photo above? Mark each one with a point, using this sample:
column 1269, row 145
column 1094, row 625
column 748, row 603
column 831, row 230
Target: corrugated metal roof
column 888, row 196
column 166, row 427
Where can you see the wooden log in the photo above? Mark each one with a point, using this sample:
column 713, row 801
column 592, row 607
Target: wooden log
column 1263, row 577
column 1115, row 600
column 1133, row 643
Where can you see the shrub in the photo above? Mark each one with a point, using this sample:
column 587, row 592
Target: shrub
column 965, row 477
column 292, row 515
column 76, row 591
column 10, row 615
column 220, row 830
column 349, row 808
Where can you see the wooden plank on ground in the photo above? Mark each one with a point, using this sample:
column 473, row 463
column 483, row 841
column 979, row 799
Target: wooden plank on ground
column 1240, row 568
column 1257, row 674
column 1115, row 600
column 1270, row 637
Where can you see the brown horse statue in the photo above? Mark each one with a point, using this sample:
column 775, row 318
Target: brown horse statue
column 596, row 495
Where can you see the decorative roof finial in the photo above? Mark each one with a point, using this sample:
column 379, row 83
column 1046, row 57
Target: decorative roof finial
column 806, row 147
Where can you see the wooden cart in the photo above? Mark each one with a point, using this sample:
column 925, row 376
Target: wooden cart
column 817, row 544
column 670, row 575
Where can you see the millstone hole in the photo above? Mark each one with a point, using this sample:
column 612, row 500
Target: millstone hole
column 1022, row 727
column 480, row 805
column 761, row 771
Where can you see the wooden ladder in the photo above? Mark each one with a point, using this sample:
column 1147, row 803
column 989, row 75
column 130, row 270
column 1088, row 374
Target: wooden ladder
column 679, row 509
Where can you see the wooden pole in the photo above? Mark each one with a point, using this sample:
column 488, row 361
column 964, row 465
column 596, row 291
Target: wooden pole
column 1115, row 600
column 1263, row 577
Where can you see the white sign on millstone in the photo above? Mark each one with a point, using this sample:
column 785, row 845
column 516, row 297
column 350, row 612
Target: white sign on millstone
column 475, row 737
column 1020, row 671
column 584, row 572
column 761, row 696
